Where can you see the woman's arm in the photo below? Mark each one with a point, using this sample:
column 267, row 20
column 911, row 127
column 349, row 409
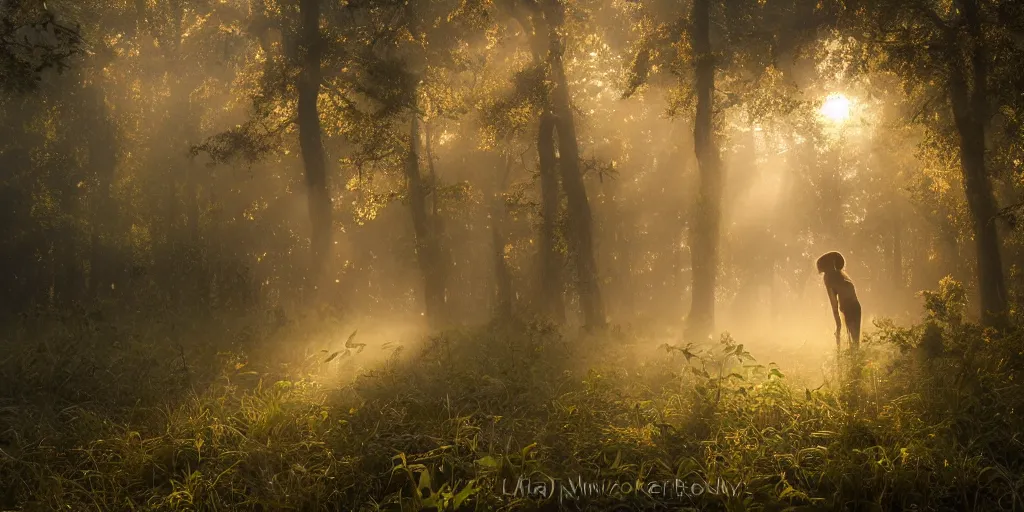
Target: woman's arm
column 833, row 298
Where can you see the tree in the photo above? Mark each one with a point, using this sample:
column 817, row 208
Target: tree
column 428, row 251
column 706, row 232
column 502, row 273
column 550, row 259
column 33, row 40
column 544, row 20
column 309, row 136
column 952, row 48
column 745, row 27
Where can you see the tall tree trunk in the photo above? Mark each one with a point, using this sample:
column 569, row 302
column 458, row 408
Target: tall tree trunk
column 580, row 219
column 970, row 113
column 310, row 141
column 552, row 292
column 705, row 234
column 502, row 275
column 552, row 299
column 426, row 246
column 437, row 227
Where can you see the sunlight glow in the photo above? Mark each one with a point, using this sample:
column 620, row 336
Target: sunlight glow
column 836, row 108
column 445, row 138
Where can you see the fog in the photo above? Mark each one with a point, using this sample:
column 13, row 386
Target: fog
column 495, row 194
column 188, row 166
column 171, row 169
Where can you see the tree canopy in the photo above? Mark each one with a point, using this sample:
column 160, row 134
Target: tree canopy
column 552, row 169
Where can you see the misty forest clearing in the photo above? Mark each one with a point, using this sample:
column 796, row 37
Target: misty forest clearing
column 511, row 255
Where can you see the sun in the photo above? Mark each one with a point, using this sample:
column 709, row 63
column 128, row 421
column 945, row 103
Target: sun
column 836, row 108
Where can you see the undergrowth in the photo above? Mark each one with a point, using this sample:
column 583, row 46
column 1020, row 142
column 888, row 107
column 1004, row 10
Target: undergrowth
column 102, row 415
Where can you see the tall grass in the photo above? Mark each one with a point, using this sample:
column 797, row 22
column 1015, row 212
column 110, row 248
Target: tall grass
column 110, row 416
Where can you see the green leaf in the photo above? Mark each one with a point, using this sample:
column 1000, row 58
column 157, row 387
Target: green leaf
column 424, row 480
column 526, row 451
column 467, row 491
column 488, row 462
column 431, row 502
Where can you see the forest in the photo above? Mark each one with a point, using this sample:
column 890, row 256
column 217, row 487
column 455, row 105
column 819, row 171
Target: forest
column 511, row 255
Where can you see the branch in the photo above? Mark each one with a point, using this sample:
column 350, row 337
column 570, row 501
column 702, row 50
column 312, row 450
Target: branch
column 349, row 104
column 927, row 102
column 1011, row 213
column 934, row 17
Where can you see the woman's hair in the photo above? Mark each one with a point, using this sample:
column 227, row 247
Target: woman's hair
column 831, row 261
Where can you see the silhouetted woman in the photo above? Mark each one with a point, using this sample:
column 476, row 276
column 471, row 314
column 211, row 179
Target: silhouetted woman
column 841, row 294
